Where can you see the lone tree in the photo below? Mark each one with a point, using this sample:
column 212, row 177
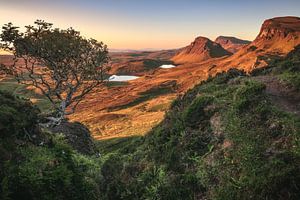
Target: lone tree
column 63, row 65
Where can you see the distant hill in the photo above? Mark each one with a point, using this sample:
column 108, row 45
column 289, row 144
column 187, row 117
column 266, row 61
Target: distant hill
column 201, row 49
column 134, row 50
column 139, row 62
column 231, row 44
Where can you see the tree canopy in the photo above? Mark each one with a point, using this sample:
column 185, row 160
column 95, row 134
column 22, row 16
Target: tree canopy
column 62, row 64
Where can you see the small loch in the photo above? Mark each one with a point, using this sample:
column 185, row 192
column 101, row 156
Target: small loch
column 122, row 78
column 167, row 66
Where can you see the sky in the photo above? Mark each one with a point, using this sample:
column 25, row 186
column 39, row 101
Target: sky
column 152, row 24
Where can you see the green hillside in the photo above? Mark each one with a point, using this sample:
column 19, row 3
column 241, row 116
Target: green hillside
column 234, row 136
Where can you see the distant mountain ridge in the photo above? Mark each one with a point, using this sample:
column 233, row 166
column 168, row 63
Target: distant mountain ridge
column 135, row 50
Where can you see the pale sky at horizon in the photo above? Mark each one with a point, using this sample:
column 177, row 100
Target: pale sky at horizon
column 158, row 24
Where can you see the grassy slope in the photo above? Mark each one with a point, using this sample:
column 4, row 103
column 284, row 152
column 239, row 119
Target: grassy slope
column 12, row 86
column 36, row 164
column 224, row 139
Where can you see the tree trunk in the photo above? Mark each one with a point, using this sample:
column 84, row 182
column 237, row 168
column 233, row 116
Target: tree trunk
column 56, row 120
column 62, row 111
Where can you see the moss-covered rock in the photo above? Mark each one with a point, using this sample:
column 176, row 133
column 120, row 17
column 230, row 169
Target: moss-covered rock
column 77, row 135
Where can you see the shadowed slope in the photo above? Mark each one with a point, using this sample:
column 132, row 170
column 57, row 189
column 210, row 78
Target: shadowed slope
column 231, row 44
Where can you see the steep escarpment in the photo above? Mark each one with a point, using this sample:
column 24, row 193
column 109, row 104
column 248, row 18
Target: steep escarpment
column 200, row 50
column 231, row 44
column 279, row 27
column 277, row 37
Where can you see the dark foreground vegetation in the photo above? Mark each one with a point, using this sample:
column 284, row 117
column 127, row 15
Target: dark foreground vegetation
column 227, row 138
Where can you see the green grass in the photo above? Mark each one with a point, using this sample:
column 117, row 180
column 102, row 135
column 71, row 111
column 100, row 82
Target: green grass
column 292, row 79
column 116, row 144
column 195, row 111
column 36, row 164
column 50, row 171
column 12, row 86
column 249, row 167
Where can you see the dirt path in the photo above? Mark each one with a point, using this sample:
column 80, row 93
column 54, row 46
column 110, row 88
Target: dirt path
column 283, row 96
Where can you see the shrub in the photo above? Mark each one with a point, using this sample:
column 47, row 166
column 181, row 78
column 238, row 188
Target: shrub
column 195, row 112
column 248, row 95
column 51, row 172
column 111, row 171
column 17, row 116
column 224, row 77
column 292, row 79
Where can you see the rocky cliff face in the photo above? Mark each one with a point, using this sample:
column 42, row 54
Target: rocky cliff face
column 231, row 44
column 280, row 27
column 277, row 37
column 200, row 50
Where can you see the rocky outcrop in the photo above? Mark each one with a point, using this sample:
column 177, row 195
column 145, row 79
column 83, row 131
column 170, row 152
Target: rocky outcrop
column 77, row 135
column 279, row 27
column 278, row 35
column 200, row 50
